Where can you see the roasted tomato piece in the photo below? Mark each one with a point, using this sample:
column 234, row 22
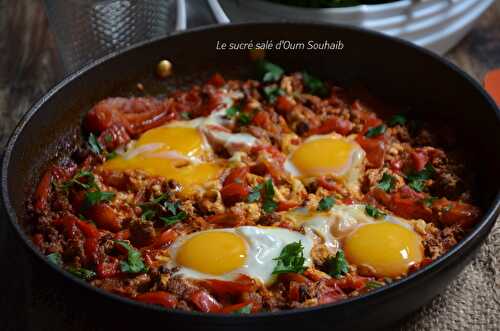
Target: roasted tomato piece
column 333, row 124
column 452, row 212
column 375, row 150
column 105, row 217
column 234, row 193
column 419, row 159
column 284, row 104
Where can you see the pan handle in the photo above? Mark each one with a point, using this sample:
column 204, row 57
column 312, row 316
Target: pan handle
column 218, row 12
column 181, row 15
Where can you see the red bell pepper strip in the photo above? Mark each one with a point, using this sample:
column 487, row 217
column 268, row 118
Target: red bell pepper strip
column 205, row 302
column 160, row 298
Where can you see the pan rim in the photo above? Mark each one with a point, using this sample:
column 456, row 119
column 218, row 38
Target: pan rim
column 486, row 223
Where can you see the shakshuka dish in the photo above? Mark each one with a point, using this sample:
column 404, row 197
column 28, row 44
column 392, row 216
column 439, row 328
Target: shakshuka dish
column 250, row 196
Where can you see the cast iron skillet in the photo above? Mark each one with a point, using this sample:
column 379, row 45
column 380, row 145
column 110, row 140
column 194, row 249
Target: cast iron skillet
column 392, row 69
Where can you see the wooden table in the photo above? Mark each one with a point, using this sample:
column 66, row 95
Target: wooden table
column 29, row 66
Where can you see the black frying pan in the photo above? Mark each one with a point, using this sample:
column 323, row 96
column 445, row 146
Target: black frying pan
column 392, row 69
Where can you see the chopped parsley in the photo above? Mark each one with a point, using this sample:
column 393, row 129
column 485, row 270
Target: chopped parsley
column 397, row 120
column 314, row 85
column 160, row 205
column 372, row 284
column 55, row 258
column 269, row 72
column 94, row 145
column 254, row 194
column 338, row 266
column 148, row 214
column 416, row 180
column 291, row 259
column 244, row 310
column 108, row 138
column 269, row 205
column 134, row 263
column 326, row 204
column 87, row 183
column 376, row 131
column 82, row 273
column 373, row 212
column 386, row 183
column 241, row 117
column 244, row 119
column 232, row 111
column 95, row 197
column 272, row 92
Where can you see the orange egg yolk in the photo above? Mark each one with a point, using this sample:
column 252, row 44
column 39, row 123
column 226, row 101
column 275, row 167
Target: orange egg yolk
column 213, row 252
column 323, row 156
column 165, row 152
column 388, row 248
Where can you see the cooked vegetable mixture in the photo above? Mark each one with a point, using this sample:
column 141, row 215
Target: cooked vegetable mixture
column 250, row 196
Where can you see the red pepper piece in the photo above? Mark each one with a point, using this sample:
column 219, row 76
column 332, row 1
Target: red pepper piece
column 205, row 302
column 161, row 298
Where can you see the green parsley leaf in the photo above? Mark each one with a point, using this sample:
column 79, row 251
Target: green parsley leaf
column 55, row 258
column 148, row 214
column 326, row 204
column 185, row 115
column 376, row 131
column 254, row 194
column 416, row 180
column 232, row 111
column 82, row 273
column 269, row 205
column 387, row 182
column 134, row 263
column 428, row 201
column 170, row 220
column 417, row 184
column 244, row 119
column 373, row 212
column 95, row 197
column 87, row 176
column 372, row 284
column 108, row 138
column 269, row 72
column 94, row 145
column 397, row 120
column 314, row 85
column 272, row 92
column 244, row 310
column 337, row 266
column 291, row 259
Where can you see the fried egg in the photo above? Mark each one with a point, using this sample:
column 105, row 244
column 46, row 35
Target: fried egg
column 388, row 245
column 178, row 151
column 226, row 253
column 328, row 155
column 181, row 151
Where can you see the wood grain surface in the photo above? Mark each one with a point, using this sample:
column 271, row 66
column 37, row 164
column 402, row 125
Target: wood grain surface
column 29, row 66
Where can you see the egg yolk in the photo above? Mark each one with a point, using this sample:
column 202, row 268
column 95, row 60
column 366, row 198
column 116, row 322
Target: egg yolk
column 184, row 140
column 386, row 247
column 151, row 155
column 323, row 156
column 213, row 252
